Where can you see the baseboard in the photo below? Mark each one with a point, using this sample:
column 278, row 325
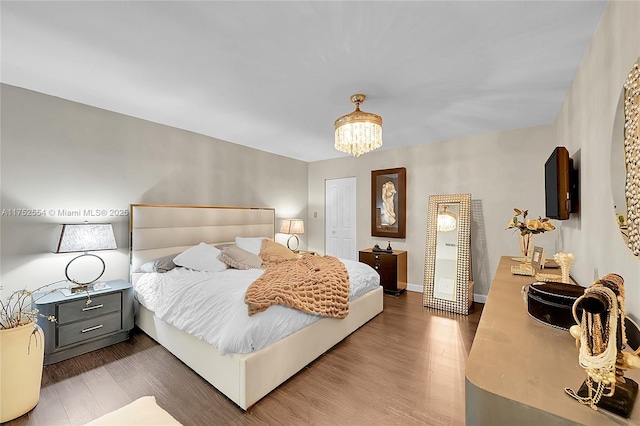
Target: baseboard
column 479, row 298
column 414, row 287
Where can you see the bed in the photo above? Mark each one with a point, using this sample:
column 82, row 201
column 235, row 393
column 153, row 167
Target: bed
column 160, row 230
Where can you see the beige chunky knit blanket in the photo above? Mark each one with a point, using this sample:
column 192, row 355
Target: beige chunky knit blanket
column 314, row 284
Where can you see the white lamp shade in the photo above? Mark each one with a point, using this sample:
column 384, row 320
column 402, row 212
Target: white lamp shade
column 84, row 237
column 292, row 226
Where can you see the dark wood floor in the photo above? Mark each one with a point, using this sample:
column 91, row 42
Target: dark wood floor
column 406, row 366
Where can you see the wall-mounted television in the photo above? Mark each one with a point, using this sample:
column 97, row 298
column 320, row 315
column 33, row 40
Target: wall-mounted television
column 560, row 185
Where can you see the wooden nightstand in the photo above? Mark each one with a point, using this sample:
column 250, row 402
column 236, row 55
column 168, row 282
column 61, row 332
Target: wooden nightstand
column 82, row 328
column 392, row 268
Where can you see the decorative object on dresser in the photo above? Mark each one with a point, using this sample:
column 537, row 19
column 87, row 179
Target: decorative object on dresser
column 565, row 260
column 538, row 258
column 388, row 202
column 523, row 269
column 292, row 227
column 551, row 302
column 448, row 283
column 392, row 267
column 358, row 132
column 85, row 237
column 85, row 321
column 601, row 337
column 527, row 229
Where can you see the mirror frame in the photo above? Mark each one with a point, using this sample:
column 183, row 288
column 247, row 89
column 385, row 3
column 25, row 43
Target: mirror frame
column 631, row 157
column 461, row 303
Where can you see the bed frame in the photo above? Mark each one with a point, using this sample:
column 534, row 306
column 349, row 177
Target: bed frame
column 158, row 230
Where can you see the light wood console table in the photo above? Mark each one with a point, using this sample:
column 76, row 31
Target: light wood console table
column 518, row 367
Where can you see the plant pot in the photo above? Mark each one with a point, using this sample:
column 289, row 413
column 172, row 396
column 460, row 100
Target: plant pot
column 22, row 356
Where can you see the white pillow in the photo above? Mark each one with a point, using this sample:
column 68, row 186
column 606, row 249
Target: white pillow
column 202, row 257
column 252, row 245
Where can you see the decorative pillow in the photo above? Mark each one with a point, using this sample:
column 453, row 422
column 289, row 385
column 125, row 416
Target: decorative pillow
column 272, row 251
column 202, row 257
column 223, row 246
column 252, row 245
column 160, row 264
column 238, row 258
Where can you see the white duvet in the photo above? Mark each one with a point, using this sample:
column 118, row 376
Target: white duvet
column 210, row 305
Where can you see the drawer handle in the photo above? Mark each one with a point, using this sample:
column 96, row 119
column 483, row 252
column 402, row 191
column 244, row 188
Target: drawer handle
column 91, row 308
column 376, row 267
column 91, row 328
column 377, row 257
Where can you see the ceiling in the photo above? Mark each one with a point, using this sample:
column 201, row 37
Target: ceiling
column 275, row 75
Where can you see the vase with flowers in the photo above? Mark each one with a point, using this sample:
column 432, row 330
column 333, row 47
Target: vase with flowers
column 528, row 228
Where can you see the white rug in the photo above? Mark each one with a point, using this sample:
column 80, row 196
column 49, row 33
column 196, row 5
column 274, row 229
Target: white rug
column 142, row 411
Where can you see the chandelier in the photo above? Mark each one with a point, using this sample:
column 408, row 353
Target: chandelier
column 358, row 132
column 447, row 221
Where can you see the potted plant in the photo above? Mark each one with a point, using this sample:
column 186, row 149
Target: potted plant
column 21, row 355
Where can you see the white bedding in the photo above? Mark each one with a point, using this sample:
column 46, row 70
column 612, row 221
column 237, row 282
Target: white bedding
column 210, row 305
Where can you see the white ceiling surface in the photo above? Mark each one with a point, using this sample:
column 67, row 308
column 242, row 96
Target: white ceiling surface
column 275, row 75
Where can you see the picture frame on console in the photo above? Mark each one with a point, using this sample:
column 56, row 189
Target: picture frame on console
column 388, row 203
column 537, row 258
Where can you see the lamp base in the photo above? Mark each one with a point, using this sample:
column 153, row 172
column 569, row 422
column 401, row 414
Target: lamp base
column 80, row 289
column 85, row 288
column 297, row 243
column 84, row 284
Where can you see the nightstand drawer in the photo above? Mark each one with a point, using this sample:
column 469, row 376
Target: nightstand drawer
column 379, row 261
column 78, row 309
column 83, row 330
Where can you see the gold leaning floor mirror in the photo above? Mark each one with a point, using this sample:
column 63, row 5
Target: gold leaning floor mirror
column 447, row 266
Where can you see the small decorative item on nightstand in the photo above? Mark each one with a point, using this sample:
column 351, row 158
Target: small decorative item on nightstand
column 85, row 323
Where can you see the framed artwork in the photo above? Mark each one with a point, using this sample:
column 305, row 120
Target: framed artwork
column 389, row 203
column 537, row 258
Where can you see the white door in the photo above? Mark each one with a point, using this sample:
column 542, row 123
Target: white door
column 340, row 216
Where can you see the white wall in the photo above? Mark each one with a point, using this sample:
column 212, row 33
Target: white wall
column 501, row 171
column 585, row 126
column 61, row 155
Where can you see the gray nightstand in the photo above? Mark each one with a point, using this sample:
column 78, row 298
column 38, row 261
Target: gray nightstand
column 82, row 328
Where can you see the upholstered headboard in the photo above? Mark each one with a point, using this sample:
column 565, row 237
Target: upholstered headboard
column 160, row 229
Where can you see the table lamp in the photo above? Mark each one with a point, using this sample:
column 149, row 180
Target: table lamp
column 292, row 227
column 84, row 237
